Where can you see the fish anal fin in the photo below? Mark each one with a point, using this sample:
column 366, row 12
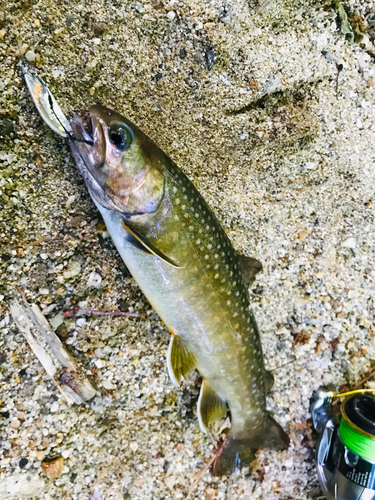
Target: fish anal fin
column 250, row 268
column 150, row 247
column 180, row 359
column 210, row 406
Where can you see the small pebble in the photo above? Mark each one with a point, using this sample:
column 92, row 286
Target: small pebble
column 99, row 363
column 70, row 200
column 30, row 55
column 53, row 468
column 15, row 423
column 171, row 15
column 133, row 446
column 99, row 353
column 349, row 243
column 55, row 406
column 94, row 280
column 139, row 8
column 107, row 384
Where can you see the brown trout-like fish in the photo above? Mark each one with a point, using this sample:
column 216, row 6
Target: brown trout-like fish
column 183, row 261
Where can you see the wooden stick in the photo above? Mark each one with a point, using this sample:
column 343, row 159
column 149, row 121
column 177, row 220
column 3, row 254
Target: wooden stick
column 59, row 365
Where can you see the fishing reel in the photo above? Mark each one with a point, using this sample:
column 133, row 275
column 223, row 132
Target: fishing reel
column 346, row 449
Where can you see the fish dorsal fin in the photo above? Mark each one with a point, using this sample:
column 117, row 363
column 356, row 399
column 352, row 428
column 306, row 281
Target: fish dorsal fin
column 180, row 359
column 250, row 268
column 150, row 247
column 210, row 406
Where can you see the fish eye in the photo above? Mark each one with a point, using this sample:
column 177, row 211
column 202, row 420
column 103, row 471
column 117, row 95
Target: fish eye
column 120, row 135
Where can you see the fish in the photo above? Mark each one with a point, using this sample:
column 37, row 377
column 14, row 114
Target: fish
column 186, row 266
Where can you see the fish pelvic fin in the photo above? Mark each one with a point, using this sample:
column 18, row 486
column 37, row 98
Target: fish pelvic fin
column 180, row 359
column 150, row 247
column 210, row 406
column 238, row 452
column 250, row 267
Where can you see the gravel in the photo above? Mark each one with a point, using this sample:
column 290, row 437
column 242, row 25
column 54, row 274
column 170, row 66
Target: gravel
column 271, row 113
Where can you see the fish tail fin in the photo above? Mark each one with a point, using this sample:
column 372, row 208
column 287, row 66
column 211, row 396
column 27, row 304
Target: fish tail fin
column 236, row 453
column 233, row 454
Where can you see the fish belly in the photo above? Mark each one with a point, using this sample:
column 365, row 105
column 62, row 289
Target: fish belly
column 148, row 271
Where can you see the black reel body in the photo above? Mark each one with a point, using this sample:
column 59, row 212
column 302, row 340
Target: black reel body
column 344, row 473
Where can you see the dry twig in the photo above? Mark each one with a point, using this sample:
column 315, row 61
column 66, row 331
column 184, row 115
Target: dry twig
column 60, row 366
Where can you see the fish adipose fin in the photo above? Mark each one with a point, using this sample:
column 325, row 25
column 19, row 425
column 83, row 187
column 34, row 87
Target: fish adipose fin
column 235, row 453
column 181, row 361
column 150, row 247
column 269, row 380
column 250, row 268
column 210, row 406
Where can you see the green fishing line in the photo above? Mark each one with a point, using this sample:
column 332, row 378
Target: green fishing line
column 363, row 446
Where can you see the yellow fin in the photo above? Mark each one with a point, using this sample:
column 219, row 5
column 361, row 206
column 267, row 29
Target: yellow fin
column 180, row 360
column 250, row 268
column 210, row 406
column 150, row 247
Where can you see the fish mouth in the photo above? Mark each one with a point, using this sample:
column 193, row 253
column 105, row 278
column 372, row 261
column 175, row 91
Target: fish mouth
column 89, row 137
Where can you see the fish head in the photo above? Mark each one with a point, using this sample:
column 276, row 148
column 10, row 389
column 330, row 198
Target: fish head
column 121, row 165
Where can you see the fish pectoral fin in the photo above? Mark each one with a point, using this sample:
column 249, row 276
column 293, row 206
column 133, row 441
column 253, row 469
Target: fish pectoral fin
column 150, row 247
column 250, row 268
column 210, row 406
column 180, row 359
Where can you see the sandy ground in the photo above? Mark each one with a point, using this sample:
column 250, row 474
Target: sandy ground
column 272, row 116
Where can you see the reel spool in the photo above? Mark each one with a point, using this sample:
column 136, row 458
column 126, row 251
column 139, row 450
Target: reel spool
column 346, row 451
